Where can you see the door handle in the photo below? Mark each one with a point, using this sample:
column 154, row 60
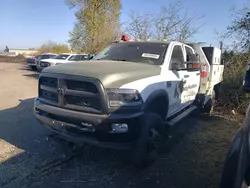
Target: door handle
column 198, row 74
column 186, row 76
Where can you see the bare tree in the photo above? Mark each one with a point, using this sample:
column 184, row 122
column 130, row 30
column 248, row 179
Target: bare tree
column 140, row 26
column 167, row 21
column 169, row 24
column 186, row 28
column 239, row 29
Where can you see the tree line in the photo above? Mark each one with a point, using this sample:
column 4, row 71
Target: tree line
column 98, row 24
column 237, row 56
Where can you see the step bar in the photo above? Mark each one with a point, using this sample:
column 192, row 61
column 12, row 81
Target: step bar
column 176, row 119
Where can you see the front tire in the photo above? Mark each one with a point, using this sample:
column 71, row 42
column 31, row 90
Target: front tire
column 149, row 141
column 33, row 68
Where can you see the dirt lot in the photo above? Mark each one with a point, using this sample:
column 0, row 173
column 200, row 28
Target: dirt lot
column 193, row 158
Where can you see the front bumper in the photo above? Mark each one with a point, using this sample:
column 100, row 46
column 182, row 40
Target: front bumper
column 31, row 64
column 95, row 129
column 39, row 68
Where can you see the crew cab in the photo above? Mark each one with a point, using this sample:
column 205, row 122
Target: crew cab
column 62, row 58
column 128, row 93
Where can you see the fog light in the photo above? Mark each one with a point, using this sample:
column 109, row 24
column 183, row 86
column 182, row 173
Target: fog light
column 37, row 110
column 119, row 128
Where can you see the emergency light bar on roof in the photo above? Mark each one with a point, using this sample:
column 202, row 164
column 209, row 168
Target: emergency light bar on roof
column 125, row 38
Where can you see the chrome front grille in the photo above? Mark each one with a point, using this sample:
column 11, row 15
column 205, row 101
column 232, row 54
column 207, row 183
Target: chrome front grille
column 44, row 64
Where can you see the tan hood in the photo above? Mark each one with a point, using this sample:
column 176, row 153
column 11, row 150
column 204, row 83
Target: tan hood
column 112, row 74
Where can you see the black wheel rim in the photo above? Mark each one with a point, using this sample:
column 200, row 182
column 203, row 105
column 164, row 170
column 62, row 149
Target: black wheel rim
column 153, row 140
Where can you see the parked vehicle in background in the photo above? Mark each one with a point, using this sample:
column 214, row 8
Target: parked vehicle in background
column 127, row 95
column 63, row 58
column 43, row 56
column 31, row 61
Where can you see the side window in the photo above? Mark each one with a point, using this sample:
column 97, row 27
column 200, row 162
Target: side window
column 84, row 57
column 51, row 56
column 74, row 58
column 45, row 57
column 188, row 51
column 78, row 58
column 177, row 56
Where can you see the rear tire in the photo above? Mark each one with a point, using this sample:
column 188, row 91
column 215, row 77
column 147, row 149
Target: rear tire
column 209, row 106
column 150, row 140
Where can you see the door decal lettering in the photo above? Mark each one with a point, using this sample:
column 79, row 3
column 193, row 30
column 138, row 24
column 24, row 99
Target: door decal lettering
column 179, row 89
column 189, row 87
column 169, row 84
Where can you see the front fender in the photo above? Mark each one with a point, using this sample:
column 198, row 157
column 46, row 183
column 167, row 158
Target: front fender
column 154, row 95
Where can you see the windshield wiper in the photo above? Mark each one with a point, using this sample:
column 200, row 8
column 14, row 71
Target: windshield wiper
column 118, row 59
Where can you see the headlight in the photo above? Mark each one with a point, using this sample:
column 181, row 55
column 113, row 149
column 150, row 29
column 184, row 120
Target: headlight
column 51, row 63
column 123, row 97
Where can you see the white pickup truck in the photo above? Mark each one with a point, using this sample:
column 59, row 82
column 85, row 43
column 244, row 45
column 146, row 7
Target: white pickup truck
column 125, row 96
column 62, row 58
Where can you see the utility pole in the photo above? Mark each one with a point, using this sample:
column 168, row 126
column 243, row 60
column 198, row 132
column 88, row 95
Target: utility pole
column 221, row 48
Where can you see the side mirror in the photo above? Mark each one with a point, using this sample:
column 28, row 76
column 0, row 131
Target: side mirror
column 193, row 63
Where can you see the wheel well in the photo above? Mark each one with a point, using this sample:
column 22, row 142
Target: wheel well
column 217, row 91
column 159, row 105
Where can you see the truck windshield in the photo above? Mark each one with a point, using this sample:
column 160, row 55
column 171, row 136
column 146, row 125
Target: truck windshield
column 139, row 52
column 61, row 56
column 45, row 56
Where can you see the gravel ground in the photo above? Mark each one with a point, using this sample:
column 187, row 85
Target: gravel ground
column 28, row 158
